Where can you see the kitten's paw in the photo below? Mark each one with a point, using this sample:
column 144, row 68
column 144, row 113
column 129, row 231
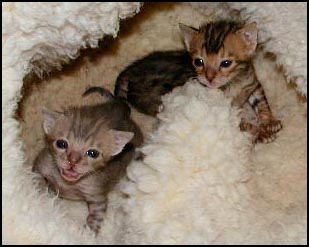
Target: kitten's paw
column 264, row 136
column 272, row 126
column 94, row 223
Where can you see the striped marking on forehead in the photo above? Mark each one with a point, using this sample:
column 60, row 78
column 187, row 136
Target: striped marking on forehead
column 216, row 32
column 85, row 128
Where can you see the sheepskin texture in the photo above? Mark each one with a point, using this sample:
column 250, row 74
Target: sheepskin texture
column 200, row 158
column 201, row 181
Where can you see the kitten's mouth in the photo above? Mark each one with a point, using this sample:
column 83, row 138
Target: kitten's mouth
column 70, row 175
column 206, row 83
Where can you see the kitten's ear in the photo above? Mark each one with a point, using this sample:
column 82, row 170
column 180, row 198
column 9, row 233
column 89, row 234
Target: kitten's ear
column 248, row 35
column 49, row 119
column 187, row 33
column 120, row 139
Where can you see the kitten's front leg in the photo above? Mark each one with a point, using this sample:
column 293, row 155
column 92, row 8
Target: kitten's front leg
column 97, row 209
column 249, row 94
column 268, row 125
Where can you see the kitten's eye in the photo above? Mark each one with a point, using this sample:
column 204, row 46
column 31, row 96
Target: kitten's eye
column 198, row 62
column 93, row 153
column 62, row 144
column 226, row 63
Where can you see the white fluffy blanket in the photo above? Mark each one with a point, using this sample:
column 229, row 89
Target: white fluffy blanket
column 191, row 188
column 199, row 182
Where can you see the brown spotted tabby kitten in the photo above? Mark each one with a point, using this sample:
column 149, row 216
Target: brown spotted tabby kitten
column 87, row 152
column 221, row 53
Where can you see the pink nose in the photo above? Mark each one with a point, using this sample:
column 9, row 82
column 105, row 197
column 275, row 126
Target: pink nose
column 210, row 74
column 74, row 158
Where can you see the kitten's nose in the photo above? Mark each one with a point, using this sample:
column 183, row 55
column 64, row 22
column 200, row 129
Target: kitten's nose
column 74, row 157
column 210, row 74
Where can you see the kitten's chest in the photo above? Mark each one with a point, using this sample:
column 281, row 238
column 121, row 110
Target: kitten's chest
column 88, row 187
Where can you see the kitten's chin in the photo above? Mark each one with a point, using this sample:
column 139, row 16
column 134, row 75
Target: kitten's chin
column 70, row 175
